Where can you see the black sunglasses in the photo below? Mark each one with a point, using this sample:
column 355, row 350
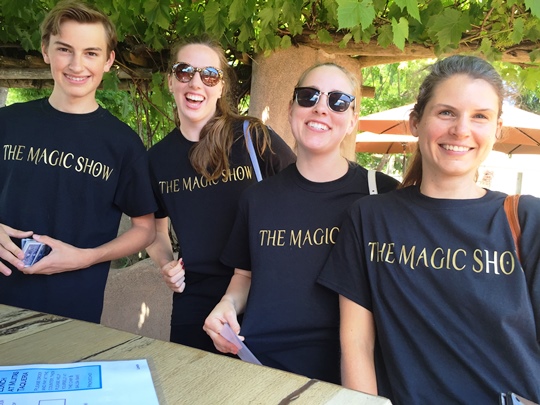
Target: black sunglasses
column 210, row 76
column 337, row 101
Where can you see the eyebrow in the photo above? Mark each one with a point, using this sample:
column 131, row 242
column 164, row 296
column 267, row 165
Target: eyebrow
column 442, row 105
column 315, row 87
column 92, row 48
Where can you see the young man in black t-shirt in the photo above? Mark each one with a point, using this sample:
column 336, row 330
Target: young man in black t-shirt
column 69, row 170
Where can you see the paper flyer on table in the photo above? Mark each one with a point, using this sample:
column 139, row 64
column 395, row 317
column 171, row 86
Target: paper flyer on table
column 124, row 382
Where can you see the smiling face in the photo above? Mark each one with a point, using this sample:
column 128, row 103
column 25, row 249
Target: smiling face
column 196, row 102
column 318, row 129
column 457, row 129
column 78, row 57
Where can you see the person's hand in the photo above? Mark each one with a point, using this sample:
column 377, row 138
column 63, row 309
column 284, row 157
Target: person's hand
column 9, row 251
column 63, row 257
column 174, row 275
column 223, row 313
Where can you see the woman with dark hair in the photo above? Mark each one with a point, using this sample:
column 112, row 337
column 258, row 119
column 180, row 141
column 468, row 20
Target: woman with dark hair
column 284, row 230
column 199, row 170
column 437, row 278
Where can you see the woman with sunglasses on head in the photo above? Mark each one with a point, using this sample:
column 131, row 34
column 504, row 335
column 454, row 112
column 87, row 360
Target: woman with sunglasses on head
column 437, row 278
column 200, row 170
column 284, row 230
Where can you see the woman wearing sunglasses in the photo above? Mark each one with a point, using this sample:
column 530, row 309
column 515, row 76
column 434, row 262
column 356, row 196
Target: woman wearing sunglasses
column 284, row 230
column 200, row 169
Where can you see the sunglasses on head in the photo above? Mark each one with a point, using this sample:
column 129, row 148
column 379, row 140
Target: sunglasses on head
column 337, row 100
column 210, row 76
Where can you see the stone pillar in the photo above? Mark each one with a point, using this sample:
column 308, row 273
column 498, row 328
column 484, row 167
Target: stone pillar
column 273, row 81
column 3, row 96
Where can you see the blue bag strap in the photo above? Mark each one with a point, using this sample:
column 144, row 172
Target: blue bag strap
column 251, row 151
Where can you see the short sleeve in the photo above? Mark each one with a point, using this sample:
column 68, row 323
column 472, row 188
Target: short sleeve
column 345, row 270
column 529, row 218
column 277, row 157
column 236, row 253
column 386, row 183
column 134, row 195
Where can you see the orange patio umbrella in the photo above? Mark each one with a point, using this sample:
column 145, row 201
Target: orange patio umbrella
column 521, row 129
column 384, row 143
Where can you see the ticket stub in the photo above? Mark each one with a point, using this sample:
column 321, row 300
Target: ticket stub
column 243, row 352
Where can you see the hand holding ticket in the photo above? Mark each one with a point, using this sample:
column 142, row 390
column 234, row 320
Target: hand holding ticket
column 243, row 352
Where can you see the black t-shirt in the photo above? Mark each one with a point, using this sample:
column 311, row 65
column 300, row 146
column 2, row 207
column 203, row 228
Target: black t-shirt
column 68, row 176
column 456, row 315
column 284, row 230
column 201, row 211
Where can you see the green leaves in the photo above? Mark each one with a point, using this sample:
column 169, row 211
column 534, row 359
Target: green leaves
column 324, row 36
column 291, row 13
column 268, row 17
column 534, row 6
column 110, row 81
column 18, row 23
column 236, row 11
column 157, row 12
column 386, row 37
column 448, row 28
column 254, row 26
column 401, row 32
column 411, row 6
column 213, row 20
column 535, row 55
column 250, row 27
column 531, row 78
column 516, row 36
column 353, row 13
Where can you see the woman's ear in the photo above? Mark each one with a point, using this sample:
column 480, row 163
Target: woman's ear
column 170, row 83
column 290, row 111
column 353, row 124
column 498, row 134
column 413, row 124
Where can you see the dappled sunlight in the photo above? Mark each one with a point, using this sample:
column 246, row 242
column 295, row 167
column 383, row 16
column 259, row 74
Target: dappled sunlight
column 265, row 116
column 143, row 314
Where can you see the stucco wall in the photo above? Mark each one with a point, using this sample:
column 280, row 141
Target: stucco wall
column 137, row 300
column 273, row 81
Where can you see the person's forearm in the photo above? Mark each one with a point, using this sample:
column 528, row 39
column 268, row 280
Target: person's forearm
column 357, row 337
column 161, row 250
column 138, row 237
column 358, row 371
column 238, row 290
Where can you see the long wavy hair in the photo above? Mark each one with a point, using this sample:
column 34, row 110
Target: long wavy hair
column 472, row 66
column 210, row 155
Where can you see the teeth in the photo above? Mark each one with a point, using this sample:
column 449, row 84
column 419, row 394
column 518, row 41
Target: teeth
column 318, row 125
column 194, row 97
column 455, row 148
column 76, row 79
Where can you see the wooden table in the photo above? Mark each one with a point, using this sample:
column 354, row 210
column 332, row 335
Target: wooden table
column 182, row 375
